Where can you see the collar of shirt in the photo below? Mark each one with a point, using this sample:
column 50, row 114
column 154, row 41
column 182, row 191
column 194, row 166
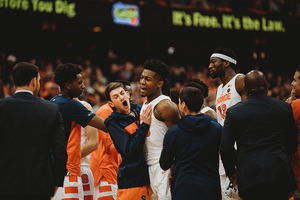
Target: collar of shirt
column 24, row 91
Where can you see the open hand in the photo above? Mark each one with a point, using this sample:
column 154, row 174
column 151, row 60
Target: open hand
column 146, row 115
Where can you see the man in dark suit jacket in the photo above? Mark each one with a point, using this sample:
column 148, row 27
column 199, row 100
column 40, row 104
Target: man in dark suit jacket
column 32, row 143
column 264, row 130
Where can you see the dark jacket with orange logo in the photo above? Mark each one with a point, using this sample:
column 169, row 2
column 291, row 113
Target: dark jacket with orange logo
column 129, row 138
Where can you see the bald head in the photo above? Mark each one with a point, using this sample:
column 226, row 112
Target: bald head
column 255, row 82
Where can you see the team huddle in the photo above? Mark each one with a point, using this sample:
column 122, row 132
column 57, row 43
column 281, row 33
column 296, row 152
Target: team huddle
column 163, row 149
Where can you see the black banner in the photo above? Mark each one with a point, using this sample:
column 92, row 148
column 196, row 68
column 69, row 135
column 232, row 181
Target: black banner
column 103, row 13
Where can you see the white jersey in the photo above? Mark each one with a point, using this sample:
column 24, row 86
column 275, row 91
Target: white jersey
column 206, row 108
column 227, row 96
column 85, row 160
column 158, row 129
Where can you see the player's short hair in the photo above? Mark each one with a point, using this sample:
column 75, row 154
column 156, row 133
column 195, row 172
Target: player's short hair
column 110, row 87
column 158, row 66
column 227, row 52
column 65, row 73
column 192, row 97
column 124, row 82
column 194, row 82
column 23, row 73
column 165, row 89
column 174, row 96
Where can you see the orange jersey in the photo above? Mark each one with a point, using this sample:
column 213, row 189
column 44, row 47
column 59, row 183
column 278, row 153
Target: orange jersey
column 295, row 158
column 105, row 160
column 74, row 150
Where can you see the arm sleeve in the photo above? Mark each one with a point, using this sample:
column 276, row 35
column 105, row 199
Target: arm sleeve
column 167, row 155
column 59, row 153
column 78, row 113
column 130, row 140
column 228, row 153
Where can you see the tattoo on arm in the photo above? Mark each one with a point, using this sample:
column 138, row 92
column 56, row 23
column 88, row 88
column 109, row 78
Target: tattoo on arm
column 158, row 113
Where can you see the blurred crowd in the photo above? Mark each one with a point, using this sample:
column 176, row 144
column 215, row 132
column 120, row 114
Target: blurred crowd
column 96, row 80
column 287, row 7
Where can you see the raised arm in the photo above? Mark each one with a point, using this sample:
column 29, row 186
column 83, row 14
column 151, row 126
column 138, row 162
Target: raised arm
column 98, row 122
column 167, row 111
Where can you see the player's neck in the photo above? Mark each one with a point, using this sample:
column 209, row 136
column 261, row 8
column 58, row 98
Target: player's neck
column 66, row 94
column 229, row 74
column 153, row 96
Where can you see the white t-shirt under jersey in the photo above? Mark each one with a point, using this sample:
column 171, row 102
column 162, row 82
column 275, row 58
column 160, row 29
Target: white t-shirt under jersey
column 227, row 96
column 158, row 129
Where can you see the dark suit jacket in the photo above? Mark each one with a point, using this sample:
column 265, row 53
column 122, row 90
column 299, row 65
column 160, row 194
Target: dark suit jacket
column 265, row 132
column 31, row 132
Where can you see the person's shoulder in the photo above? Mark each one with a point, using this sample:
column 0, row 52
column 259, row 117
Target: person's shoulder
column 282, row 104
column 104, row 111
column 172, row 131
column 9, row 98
column 278, row 101
column 104, row 107
column 46, row 104
column 113, row 117
column 167, row 104
column 295, row 103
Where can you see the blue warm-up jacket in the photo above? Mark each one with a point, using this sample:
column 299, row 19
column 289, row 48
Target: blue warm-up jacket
column 193, row 147
column 129, row 138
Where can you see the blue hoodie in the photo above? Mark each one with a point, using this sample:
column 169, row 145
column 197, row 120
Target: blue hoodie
column 129, row 138
column 193, row 147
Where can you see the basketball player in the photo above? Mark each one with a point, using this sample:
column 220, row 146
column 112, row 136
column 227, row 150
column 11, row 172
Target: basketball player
column 194, row 82
column 89, row 143
column 222, row 65
column 105, row 160
column 75, row 115
column 165, row 114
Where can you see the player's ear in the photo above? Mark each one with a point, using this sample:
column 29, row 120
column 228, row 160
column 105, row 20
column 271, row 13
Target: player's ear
column 227, row 63
column 68, row 85
column 111, row 104
column 160, row 83
column 183, row 105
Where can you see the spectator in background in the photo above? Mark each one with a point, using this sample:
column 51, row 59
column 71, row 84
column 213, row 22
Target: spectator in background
column 192, row 146
column 265, row 133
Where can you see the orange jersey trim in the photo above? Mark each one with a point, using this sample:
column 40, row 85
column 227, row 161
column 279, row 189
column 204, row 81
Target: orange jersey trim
column 131, row 128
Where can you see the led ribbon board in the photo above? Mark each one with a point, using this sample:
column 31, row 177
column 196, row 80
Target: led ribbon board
column 126, row 14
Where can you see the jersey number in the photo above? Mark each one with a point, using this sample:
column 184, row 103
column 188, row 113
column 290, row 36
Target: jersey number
column 85, row 178
column 222, row 110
